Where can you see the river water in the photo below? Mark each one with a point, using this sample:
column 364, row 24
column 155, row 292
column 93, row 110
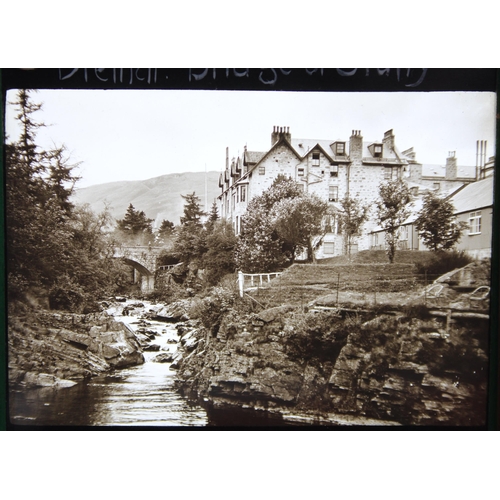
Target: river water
column 142, row 395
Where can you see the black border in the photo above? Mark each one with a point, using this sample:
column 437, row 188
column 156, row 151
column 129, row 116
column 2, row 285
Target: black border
column 262, row 79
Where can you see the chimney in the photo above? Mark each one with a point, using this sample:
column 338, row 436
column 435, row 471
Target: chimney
column 280, row 132
column 451, row 166
column 356, row 145
column 388, row 141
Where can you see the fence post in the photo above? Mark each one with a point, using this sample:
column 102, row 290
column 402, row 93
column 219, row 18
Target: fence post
column 338, row 286
column 241, row 279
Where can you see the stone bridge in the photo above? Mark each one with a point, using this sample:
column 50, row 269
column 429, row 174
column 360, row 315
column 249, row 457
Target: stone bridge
column 144, row 260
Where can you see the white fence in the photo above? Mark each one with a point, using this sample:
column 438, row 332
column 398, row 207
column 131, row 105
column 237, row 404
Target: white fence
column 254, row 280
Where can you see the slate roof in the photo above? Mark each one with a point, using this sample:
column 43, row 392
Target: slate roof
column 474, row 196
column 254, row 156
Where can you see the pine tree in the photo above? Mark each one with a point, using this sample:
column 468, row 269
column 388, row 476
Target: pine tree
column 190, row 244
column 213, row 217
column 135, row 222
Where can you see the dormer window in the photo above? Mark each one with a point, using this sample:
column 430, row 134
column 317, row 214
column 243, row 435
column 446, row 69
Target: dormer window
column 315, row 160
column 377, row 150
column 340, row 149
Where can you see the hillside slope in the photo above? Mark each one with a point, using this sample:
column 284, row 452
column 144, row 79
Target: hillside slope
column 159, row 197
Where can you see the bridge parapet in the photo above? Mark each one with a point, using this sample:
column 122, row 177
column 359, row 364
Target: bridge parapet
column 143, row 259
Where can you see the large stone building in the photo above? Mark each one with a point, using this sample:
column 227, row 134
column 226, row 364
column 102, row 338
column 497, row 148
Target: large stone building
column 332, row 169
column 329, row 168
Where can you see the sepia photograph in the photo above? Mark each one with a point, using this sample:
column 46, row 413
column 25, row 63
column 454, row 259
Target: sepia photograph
column 221, row 259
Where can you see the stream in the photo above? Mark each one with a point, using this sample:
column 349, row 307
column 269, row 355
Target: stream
column 142, row 395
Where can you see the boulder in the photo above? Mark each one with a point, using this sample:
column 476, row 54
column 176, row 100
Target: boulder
column 164, row 357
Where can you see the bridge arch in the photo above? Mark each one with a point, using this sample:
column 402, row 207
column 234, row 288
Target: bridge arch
column 143, row 260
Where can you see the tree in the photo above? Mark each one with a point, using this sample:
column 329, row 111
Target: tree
column 213, row 217
column 392, row 211
column 437, row 225
column 219, row 259
column 135, row 222
column 277, row 224
column 54, row 249
column 351, row 216
column 166, row 228
column 38, row 236
column 189, row 244
column 298, row 221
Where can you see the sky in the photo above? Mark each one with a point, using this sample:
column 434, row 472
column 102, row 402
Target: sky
column 140, row 134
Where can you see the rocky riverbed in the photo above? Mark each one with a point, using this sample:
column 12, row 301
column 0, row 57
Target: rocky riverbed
column 55, row 349
column 338, row 368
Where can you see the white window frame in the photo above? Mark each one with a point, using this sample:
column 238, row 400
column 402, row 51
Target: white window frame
column 326, row 246
column 335, row 189
column 475, row 222
column 315, row 161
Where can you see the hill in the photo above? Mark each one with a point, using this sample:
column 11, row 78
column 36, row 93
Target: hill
column 159, row 197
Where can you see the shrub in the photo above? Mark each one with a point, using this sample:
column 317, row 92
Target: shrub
column 443, row 262
column 317, row 336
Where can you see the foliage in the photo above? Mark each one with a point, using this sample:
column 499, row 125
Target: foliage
column 134, row 222
column 317, row 336
column 351, row 216
column 278, row 223
column 443, row 262
column 213, row 217
column 189, row 239
column 214, row 307
column 298, row 221
column 392, row 211
column 437, row 225
column 51, row 244
column 166, row 228
column 219, row 258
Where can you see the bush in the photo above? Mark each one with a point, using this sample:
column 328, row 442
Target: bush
column 443, row 262
column 317, row 336
column 67, row 295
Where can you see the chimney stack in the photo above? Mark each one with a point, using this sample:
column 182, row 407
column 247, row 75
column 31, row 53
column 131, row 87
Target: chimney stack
column 388, row 141
column 356, row 145
column 279, row 133
column 451, row 166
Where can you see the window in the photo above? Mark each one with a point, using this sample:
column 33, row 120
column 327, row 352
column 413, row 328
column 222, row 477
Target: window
column 333, row 193
column 328, row 247
column 436, row 186
column 377, row 150
column 340, row 149
column 391, row 173
column 334, row 171
column 262, row 170
column 243, row 193
column 330, row 224
column 475, row 223
column 315, row 162
column 237, row 194
column 300, row 171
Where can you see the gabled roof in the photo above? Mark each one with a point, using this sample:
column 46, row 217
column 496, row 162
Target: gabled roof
column 252, row 157
column 273, row 147
column 473, row 196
